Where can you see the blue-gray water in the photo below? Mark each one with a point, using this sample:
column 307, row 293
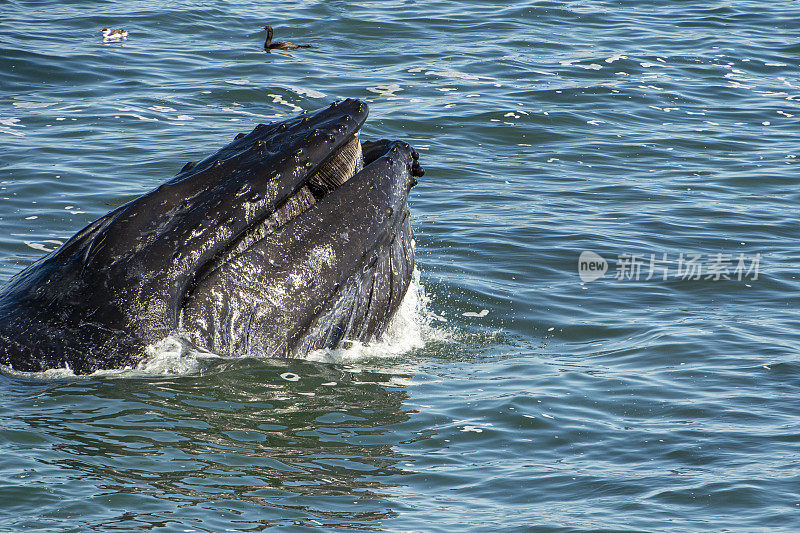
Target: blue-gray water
column 624, row 128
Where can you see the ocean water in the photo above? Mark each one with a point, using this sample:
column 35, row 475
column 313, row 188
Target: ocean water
column 654, row 386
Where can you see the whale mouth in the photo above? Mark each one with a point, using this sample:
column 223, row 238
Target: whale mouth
column 328, row 257
column 341, row 165
column 331, row 174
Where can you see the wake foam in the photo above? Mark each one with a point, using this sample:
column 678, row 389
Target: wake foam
column 171, row 356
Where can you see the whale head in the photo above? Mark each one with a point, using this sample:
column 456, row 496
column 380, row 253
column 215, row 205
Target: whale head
column 293, row 237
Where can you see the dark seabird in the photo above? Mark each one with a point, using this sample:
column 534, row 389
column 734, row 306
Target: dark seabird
column 279, row 45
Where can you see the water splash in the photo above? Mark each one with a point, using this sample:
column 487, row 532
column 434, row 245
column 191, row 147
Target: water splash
column 410, row 329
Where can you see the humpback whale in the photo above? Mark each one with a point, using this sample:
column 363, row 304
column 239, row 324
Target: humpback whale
column 291, row 238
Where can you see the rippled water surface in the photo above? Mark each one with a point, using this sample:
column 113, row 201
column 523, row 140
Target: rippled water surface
column 661, row 136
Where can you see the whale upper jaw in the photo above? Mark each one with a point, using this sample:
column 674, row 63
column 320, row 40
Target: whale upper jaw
column 292, row 237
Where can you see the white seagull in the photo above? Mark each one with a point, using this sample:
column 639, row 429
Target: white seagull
column 110, row 35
